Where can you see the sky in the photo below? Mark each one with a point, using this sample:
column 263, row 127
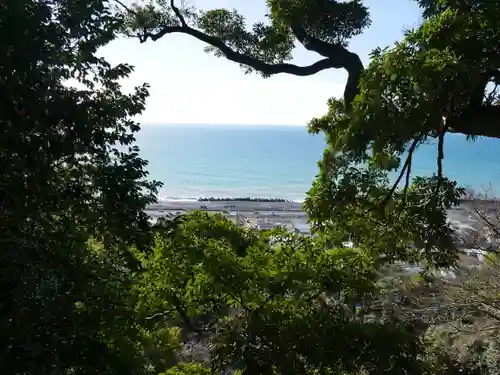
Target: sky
column 191, row 86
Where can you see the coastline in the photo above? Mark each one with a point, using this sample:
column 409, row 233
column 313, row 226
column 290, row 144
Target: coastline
column 267, row 214
column 245, row 199
column 228, row 206
column 282, row 210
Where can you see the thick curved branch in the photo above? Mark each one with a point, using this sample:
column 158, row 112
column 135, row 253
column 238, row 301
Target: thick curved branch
column 336, row 56
column 480, row 117
column 340, row 57
column 240, row 58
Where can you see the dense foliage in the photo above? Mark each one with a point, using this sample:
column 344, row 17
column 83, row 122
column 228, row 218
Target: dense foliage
column 70, row 171
column 88, row 286
column 270, row 302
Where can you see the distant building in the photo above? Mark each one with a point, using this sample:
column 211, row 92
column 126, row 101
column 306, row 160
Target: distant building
column 260, row 224
column 265, row 225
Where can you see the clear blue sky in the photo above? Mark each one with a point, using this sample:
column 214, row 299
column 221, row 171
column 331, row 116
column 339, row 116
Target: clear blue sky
column 190, row 86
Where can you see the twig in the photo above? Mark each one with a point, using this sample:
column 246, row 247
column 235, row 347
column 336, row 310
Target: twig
column 158, row 314
column 142, row 37
column 407, row 182
column 406, row 166
column 125, row 7
column 494, row 228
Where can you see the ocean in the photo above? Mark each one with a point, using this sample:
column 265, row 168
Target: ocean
column 280, row 161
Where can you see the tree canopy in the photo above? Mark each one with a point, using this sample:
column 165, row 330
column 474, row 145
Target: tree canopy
column 456, row 37
column 270, row 302
column 70, row 174
column 88, row 286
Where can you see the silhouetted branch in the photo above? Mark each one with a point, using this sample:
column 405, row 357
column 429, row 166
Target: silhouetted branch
column 340, row 57
column 478, row 120
column 483, row 122
column 178, row 13
column 240, row 58
column 336, row 56
column 125, row 7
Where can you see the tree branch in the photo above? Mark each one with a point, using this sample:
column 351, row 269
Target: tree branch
column 495, row 228
column 125, row 7
column 240, row 58
column 483, row 122
column 336, row 56
column 407, row 181
column 405, row 168
column 440, row 158
column 340, row 57
column 178, row 13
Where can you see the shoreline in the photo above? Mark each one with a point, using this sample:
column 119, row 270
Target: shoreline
column 227, row 206
column 285, row 210
column 269, row 214
column 246, row 199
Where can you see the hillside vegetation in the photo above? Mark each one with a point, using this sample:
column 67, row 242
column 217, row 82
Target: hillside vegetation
column 88, row 286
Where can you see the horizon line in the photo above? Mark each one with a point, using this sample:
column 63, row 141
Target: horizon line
column 145, row 123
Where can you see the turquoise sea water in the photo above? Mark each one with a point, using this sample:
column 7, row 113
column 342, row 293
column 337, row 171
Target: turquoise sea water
column 279, row 161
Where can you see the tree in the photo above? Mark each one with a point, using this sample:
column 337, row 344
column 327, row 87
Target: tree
column 458, row 310
column 440, row 78
column 268, row 302
column 322, row 26
column 325, row 27
column 70, row 172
